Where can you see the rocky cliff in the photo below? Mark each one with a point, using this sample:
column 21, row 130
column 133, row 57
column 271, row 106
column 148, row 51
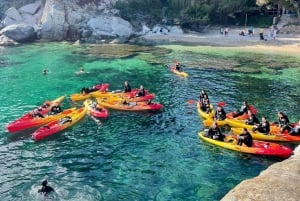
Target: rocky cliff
column 280, row 181
column 56, row 20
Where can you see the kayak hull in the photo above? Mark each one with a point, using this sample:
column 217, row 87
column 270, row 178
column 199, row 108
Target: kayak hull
column 81, row 97
column 55, row 126
column 180, row 73
column 258, row 147
column 138, row 106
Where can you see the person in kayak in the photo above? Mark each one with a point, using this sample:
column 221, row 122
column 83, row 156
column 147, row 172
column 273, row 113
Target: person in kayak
column 243, row 110
column 55, row 109
column 36, row 114
column 252, row 119
column 127, row 87
column 283, row 122
column 201, row 96
column 205, row 104
column 178, row 67
column 263, row 126
column 45, row 188
column 295, row 130
column 220, row 114
column 245, row 138
column 141, row 92
column 215, row 133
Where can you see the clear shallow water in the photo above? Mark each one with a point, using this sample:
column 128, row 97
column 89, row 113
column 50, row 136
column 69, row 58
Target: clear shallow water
column 132, row 156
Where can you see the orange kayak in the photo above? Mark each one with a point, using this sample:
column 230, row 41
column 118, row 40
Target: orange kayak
column 132, row 106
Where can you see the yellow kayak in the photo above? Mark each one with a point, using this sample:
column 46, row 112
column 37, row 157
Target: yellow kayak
column 203, row 114
column 180, row 73
column 258, row 147
column 209, row 122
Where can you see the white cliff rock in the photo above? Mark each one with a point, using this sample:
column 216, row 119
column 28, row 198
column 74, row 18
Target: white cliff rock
column 9, row 21
column 14, row 14
column 30, row 8
column 109, row 26
column 19, row 32
column 53, row 22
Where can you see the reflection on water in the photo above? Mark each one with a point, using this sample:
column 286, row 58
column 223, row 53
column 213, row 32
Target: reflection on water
column 134, row 156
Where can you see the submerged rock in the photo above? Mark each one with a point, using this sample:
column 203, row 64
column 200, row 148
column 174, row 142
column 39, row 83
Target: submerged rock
column 278, row 182
column 122, row 50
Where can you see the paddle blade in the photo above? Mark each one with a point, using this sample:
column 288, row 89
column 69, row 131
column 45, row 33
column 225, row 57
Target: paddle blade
column 254, row 111
column 222, row 104
column 191, row 101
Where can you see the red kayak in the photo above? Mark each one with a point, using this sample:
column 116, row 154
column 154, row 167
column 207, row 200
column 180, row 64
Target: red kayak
column 28, row 120
column 60, row 124
column 95, row 110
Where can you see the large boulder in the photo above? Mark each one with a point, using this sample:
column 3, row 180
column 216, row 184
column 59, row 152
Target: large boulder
column 109, row 27
column 30, row 8
column 53, row 22
column 14, row 14
column 19, row 32
column 278, row 182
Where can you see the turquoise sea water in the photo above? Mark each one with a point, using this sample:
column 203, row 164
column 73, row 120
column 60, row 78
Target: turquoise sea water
column 134, row 156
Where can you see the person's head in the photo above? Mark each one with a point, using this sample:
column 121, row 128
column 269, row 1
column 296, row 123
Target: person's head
column 141, row 87
column 203, row 91
column 82, row 69
column 263, row 119
column 280, row 114
column 245, row 130
column 205, row 96
column 126, row 83
column 245, row 103
column 219, row 108
column 44, row 183
column 214, row 125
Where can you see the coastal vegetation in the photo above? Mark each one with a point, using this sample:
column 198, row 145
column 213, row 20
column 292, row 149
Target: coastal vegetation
column 197, row 14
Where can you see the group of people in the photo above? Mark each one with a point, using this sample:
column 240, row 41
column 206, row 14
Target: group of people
column 127, row 88
column 245, row 137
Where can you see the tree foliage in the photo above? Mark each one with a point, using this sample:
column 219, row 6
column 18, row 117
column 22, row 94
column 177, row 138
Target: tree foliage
column 193, row 12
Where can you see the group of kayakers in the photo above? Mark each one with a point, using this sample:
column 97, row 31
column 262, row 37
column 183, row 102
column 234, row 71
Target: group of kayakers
column 245, row 137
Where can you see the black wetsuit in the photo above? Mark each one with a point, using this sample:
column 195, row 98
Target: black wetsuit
column 284, row 123
column 252, row 120
column 220, row 115
column 127, row 88
column 243, row 110
column 141, row 93
column 215, row 133
column 263, row 127
column 245, row 138
column 46, row 189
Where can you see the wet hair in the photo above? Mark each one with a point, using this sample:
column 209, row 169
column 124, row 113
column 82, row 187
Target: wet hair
column 44, row 183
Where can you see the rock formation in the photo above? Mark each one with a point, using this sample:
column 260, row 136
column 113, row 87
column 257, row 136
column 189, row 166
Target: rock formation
column 280, row 181
column 84, row 20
